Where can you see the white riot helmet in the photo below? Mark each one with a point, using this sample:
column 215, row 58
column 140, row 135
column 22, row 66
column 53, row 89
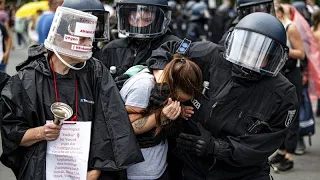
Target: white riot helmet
column 71, row 34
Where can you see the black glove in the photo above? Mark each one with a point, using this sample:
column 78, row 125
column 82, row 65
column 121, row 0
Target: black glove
column 120, row 80
column 203, row 145
column 159, row 94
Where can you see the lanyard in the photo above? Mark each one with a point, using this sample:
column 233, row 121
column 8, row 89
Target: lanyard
column 74, row 118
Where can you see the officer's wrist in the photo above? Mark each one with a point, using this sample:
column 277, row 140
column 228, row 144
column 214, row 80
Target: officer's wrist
column 213, row 147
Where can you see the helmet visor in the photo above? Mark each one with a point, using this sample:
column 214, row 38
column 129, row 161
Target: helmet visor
column 142, row 21
column 256, row 52
column 102, row 30
column 245, row 10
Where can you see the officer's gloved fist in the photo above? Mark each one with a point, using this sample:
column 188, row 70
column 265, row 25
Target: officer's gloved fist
column 202, row 145
column 159, row 94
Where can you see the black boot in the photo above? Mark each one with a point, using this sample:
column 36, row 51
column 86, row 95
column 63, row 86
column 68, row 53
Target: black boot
column 277, row 158
column 285, row 165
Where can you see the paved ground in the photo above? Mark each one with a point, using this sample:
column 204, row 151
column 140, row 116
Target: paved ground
column 306, row 166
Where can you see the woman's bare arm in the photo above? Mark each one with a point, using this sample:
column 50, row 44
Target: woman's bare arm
column 297, row 50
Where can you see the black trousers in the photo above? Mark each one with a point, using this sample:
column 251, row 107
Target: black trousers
column 262, row 176
column 165, row 175
column 119, row 175
column 122, row 176
column 290, row 143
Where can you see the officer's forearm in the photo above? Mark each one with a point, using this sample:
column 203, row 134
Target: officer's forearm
column 248, row 150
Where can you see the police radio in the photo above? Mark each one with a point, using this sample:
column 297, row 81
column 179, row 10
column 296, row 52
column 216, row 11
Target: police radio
column 184, row 46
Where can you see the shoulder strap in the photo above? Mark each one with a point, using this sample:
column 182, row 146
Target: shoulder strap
column 287, row 26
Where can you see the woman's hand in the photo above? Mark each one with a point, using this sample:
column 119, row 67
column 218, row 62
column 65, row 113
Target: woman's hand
column 51, row 131
column 186, row 112
column 172, row 110
column 93, row 174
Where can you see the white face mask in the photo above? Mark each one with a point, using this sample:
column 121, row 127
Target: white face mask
column 65, row 63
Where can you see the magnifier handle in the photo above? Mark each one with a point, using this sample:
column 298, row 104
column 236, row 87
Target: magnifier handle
column 57, row 121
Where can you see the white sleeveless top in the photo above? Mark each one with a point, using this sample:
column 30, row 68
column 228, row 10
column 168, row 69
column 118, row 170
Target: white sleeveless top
column 286, row 27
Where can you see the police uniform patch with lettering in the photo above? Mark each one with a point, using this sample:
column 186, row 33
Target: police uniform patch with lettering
column 196, row 103
column 289, row 118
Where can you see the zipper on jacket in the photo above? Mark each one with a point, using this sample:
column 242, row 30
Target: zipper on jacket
column 221, row 100
column 137, row 49
column 135, row 52
column 210, row 114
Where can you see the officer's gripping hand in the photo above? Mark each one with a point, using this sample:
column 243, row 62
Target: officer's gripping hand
column 202, row 145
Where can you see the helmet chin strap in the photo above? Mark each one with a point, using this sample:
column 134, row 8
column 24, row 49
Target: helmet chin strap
column 65, row 63
column 247, row 73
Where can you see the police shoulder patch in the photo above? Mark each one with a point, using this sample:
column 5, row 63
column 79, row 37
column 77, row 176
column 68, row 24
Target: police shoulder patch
column 196, row 103
column 289, row 118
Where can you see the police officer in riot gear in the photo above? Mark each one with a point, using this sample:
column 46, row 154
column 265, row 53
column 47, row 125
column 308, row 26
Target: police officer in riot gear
column 177, row 24
column 245, row 7
column 244, row 115
column 198, row 22
column 145, row 25
column 96, row 8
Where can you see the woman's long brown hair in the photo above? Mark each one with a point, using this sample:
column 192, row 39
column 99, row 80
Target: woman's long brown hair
column 180, row 75
column 316, row 20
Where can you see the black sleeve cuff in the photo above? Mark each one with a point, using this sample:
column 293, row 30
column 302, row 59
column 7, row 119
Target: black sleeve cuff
column 154, row 64
column 221, row 149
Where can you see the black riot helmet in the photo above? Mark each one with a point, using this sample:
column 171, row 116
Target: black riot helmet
column 143, row 18
column 172, row 4
column 303, row 10
column 199, row 11
column 245, row 7
column 258, row 43
column 96, row 8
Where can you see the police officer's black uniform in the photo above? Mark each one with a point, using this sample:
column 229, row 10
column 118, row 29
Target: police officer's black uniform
column 128, row 52
column 140, row 41
column 243, row 117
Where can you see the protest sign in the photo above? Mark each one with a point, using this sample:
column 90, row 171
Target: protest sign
column 67, row 157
